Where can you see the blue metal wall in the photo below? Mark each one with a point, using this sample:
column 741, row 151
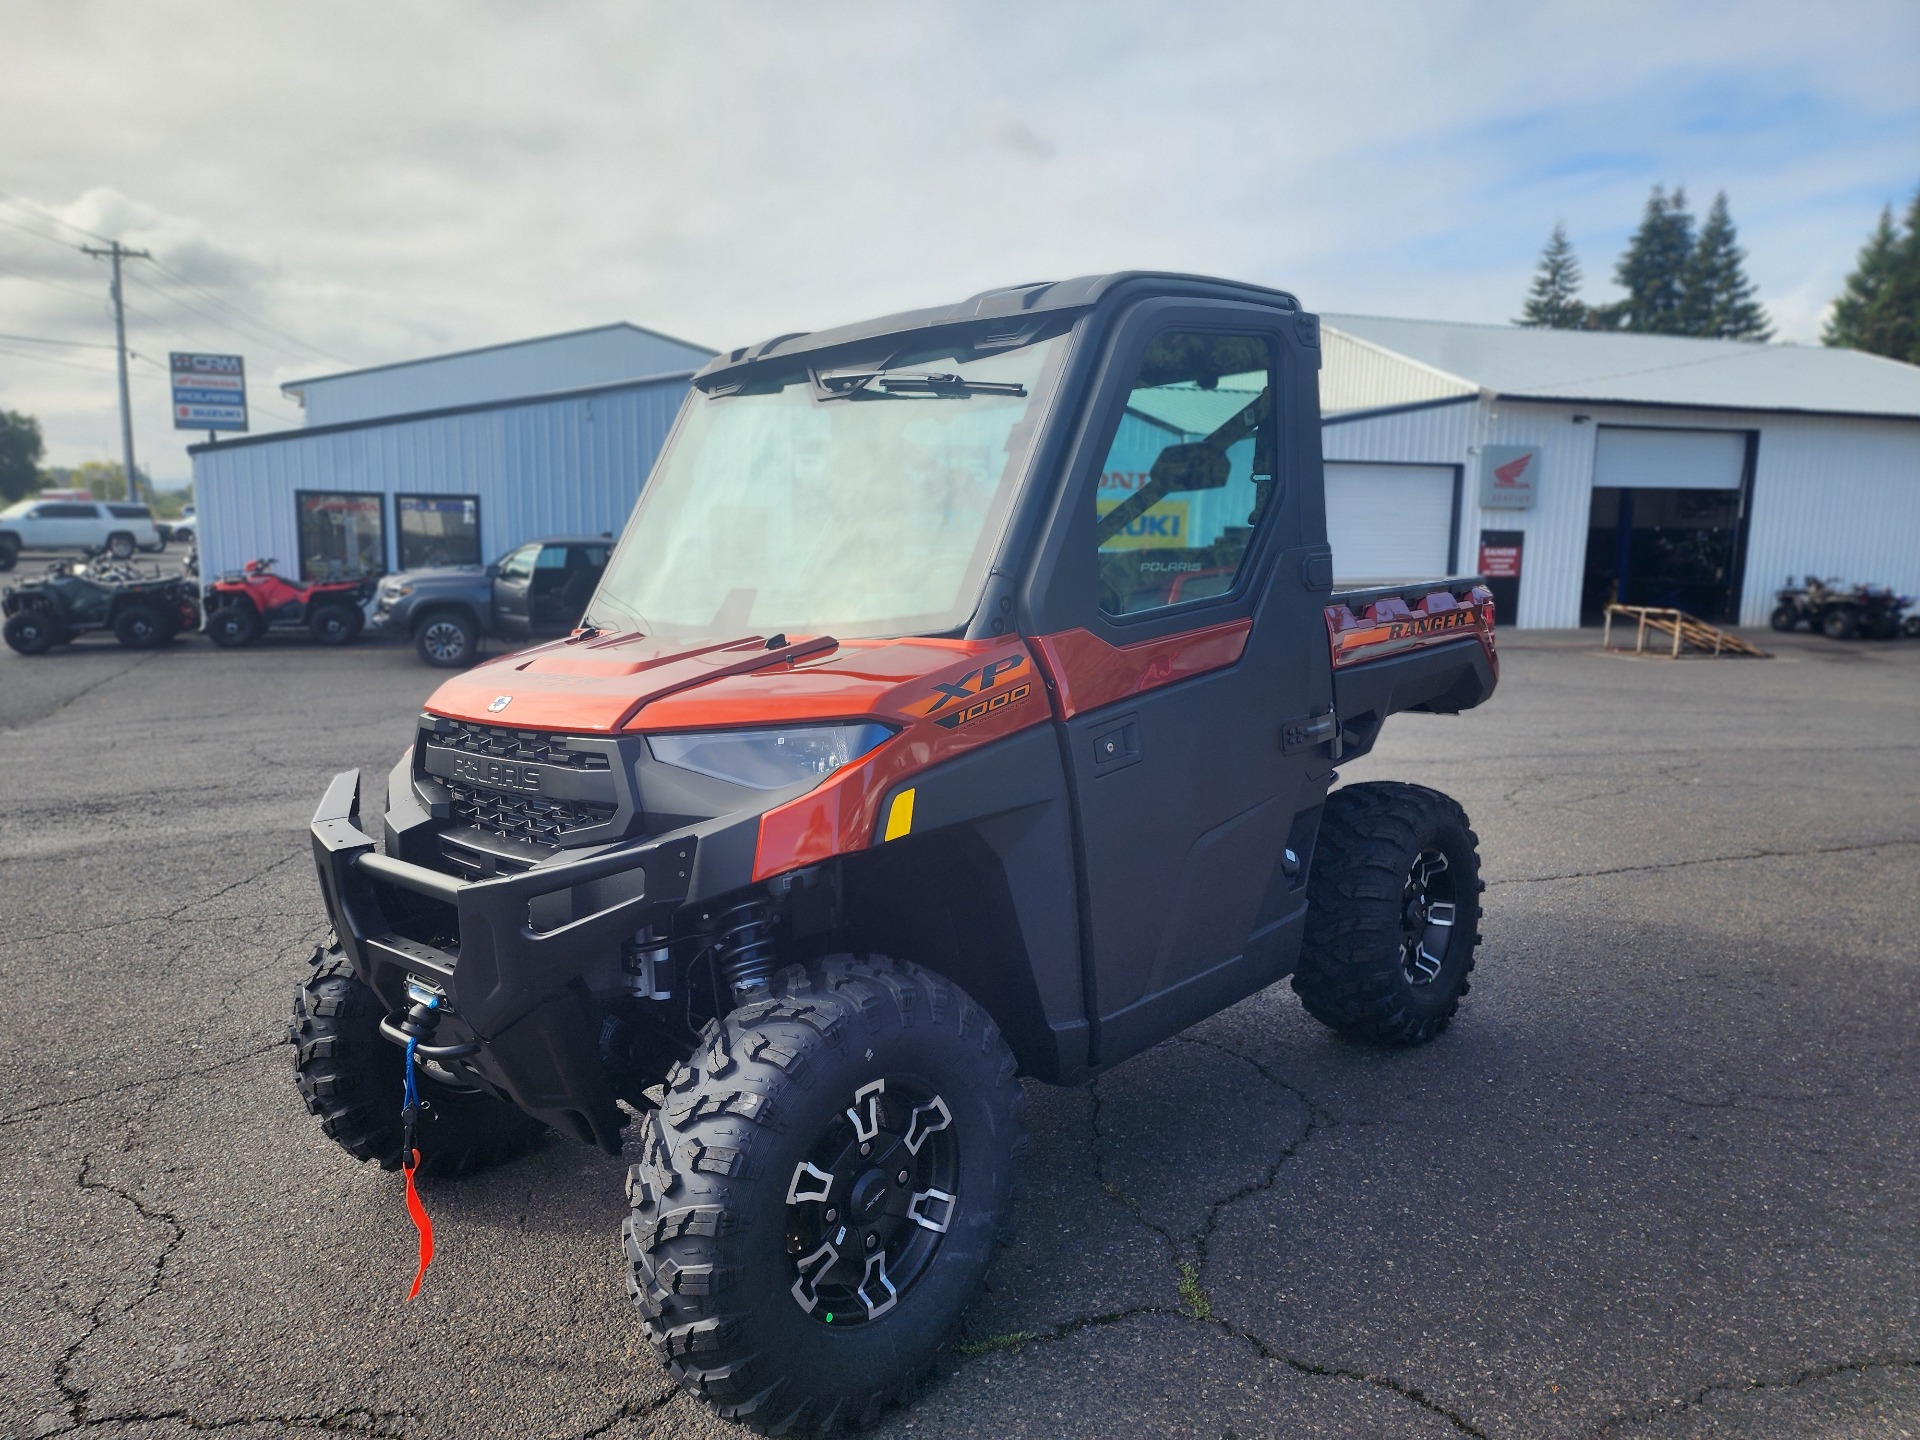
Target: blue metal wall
column 566, row 464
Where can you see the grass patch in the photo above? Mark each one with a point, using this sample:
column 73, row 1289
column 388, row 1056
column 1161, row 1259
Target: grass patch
column 1193, row 1299
column 1011, row 1340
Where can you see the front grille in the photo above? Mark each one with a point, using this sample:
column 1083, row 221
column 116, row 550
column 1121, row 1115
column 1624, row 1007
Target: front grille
column 524, row 745
column 525, row 817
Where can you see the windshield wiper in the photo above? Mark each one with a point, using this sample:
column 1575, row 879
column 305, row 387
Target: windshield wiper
column 875, row 384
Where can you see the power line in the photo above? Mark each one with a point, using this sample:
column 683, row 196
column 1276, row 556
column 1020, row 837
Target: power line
column 247, row 315
column 45, row 340
column 19, row 204
column 56, row 360
column 50, row 284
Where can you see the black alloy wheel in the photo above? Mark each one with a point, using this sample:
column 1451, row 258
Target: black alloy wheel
column 1426, row 917
column 870, row 1202
column 446, row 641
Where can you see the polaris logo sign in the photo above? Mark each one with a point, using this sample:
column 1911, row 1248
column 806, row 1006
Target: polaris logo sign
column 1508, row 474
column 497, row 774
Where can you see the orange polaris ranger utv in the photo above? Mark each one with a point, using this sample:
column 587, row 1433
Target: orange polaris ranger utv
column 960, row 704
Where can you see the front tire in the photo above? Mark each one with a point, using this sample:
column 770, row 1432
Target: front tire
column 31, row 631
column 140, row 627
column 1841, row 622
column 120, row 545
column 231, row 626
column 766, row 1310
column 1784, row 617
column 351, row 1079
column 446, row 640
column 1393, row 914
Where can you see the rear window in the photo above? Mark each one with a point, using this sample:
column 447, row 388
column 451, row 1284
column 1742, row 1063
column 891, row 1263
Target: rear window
column 130, row 512
column 66, row 510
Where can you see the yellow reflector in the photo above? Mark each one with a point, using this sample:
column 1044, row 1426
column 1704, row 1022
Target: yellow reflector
column 900, row 816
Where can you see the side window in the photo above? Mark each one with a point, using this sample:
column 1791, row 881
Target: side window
column 1189, row 473
column 519, row 564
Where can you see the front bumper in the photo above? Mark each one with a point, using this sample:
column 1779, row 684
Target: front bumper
column 530, row 948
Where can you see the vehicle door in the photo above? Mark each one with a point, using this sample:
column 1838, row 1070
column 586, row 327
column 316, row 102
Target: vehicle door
column 62, row 523
column 512, row 588
column 579, row 578
column 1178, row 609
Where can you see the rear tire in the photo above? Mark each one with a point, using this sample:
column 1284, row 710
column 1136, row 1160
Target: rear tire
column 9, row 554
column 335, row 624
column 351, row 1078
column 752, row 1319
column 231, row 626
column 139, row 626
column 31, row 632
column 1384, row 959
column 447, row 640
column 120, row 545
column 1784, row 617
column 1841, row 622
column 1910, row 627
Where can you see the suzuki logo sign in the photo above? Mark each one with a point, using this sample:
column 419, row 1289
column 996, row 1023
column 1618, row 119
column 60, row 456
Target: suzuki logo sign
column 1508, row 474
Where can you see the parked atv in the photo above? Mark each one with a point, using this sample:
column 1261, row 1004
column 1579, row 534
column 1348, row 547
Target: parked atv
column 243, row 605
column 75, row 598
column 885, row 770
column 1838, row 611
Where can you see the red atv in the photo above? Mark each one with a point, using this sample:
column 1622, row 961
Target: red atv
column 243, row 605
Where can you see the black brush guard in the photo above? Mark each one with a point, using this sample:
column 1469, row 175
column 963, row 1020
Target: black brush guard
column 514, row 992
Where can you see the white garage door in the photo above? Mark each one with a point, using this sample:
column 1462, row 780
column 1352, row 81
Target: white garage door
column 1666, row 460
column 1389, row 523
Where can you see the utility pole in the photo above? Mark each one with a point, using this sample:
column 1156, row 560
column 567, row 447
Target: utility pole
column 118, row 252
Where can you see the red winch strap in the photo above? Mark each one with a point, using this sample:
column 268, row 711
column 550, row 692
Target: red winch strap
column 420, row 1223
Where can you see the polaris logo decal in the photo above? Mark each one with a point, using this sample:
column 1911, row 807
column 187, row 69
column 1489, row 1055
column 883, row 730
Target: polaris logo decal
column 497, row 774
column 500, row 702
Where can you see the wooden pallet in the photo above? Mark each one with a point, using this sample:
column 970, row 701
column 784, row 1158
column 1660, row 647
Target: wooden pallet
column 1690, row 634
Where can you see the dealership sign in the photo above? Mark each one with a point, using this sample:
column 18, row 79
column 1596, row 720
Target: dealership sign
column 1508, row 474
column 209, row 392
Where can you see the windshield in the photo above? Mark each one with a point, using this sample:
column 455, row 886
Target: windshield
column 853, row 508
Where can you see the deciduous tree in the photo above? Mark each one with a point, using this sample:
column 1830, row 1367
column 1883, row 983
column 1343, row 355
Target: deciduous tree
column 21, row 447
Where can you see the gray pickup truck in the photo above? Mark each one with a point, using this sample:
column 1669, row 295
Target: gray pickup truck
column 536, row 590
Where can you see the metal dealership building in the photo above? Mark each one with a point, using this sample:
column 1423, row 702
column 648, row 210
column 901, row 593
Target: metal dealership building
column 447, row 461
column 1571, row 467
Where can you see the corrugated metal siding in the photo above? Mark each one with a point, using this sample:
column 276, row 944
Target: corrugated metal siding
column 1355, row 375
column 536, row 367
column 1830, row 495
column 572, row 465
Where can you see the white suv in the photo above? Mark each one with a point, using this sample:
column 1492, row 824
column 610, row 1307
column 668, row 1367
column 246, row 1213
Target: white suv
column 33, row 524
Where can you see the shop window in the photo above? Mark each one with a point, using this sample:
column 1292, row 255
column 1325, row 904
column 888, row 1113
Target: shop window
column 1189, row 472
column 437, row 530
column 343, row 534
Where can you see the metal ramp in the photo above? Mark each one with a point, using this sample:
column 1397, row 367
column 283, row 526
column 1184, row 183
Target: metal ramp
column 1689, row 635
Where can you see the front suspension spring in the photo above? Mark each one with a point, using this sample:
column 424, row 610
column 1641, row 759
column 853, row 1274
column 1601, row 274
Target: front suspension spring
column 746, row 946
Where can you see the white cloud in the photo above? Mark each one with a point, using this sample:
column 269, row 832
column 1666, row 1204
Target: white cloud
column 383, row 181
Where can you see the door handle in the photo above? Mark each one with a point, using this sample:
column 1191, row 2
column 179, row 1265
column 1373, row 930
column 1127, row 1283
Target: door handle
column 1309, row 731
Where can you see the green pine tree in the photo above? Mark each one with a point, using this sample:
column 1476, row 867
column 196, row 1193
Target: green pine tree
column 1717, row 297
column 1554, row 301
column 1879, row 310
column 1653, row 269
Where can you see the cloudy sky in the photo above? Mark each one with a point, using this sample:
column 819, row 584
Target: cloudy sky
column 351, row 183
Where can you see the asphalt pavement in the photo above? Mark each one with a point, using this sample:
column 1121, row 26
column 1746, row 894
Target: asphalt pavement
column 1657, row 1182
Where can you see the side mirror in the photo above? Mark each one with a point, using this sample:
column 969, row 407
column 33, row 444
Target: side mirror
column 1198, row 466
column 493, row 569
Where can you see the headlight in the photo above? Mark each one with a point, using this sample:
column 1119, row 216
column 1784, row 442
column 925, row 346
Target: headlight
column 390, row 591
column 768, row 759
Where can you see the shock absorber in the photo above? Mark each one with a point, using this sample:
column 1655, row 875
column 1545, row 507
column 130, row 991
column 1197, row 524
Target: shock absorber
column 745, row 945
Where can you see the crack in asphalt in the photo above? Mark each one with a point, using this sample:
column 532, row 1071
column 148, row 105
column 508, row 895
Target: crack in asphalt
column 630, row 1410
column 80, row 694
column 162, row 917
column 15, row 1116
column 1708, row 860
column 1653, row 1414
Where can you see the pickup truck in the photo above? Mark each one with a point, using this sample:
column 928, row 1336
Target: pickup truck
column 963, row 702
column 535, row 591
